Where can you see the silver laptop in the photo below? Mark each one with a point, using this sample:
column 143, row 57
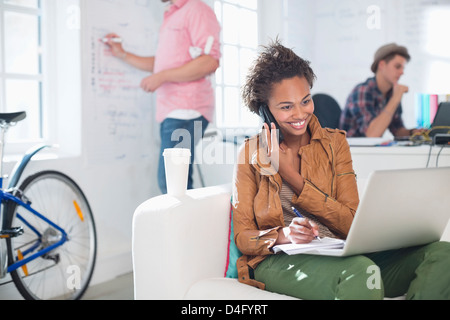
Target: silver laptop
column 399, row 208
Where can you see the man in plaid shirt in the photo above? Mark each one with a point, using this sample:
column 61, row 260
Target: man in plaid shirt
column 375, row 105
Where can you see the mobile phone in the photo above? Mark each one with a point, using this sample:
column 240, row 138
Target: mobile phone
column 268, row 118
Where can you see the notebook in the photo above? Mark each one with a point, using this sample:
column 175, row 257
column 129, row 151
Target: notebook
column 324, row 243
column 399, row 208
column 441, row 122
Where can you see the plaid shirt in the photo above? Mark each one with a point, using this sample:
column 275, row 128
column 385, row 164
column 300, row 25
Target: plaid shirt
column 363, row 105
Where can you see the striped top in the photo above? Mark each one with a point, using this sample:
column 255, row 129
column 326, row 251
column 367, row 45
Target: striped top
column 286, row 195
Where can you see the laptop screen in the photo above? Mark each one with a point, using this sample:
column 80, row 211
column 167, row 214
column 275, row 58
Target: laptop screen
column 442, row 117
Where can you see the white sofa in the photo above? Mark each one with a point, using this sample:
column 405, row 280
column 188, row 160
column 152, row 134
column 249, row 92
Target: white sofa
column 180, row 249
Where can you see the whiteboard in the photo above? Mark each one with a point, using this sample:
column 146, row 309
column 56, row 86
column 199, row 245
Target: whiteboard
column 116, row 111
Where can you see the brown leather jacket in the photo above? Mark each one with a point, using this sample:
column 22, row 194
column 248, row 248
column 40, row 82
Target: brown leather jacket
column 330, row 193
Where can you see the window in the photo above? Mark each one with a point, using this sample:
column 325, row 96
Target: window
column 40, row 73
column 21, row 77
column 239, row 21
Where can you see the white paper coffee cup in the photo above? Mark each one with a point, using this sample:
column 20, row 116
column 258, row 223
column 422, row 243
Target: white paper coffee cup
column 176, row 161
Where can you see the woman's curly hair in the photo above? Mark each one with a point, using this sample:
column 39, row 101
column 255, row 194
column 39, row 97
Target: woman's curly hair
column 274, row 64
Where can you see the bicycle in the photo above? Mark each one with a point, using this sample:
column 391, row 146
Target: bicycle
column 48, row 240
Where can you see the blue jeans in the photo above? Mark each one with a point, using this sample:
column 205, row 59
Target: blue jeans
column 176, row 133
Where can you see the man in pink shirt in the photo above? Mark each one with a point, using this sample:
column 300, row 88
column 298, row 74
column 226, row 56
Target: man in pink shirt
column 188, row 53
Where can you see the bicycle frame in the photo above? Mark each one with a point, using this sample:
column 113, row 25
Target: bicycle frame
column 5, row 196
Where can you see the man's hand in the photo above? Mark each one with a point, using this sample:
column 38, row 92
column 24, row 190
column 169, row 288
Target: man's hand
column 399, row 90
column 116, row 47
column 153, row 82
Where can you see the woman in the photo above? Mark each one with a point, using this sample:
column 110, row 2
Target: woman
column 311, row 170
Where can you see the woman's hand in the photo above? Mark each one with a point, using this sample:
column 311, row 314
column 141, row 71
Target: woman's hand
column 285, row 160
column 300, row 230
column 281, row 157
column 270, row 139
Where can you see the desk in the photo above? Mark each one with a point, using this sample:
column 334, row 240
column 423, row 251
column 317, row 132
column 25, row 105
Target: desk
column 368, row 159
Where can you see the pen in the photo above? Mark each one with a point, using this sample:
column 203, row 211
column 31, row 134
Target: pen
column 115, row 40
column 300, row 216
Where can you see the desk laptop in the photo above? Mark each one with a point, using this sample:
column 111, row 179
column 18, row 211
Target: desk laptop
column 399, row 208
column 441, row 122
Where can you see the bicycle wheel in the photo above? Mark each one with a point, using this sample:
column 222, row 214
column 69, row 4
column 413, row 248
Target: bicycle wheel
column 64, row 272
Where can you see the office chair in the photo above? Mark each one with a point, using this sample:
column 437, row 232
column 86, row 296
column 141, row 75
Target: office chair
column 327, row 110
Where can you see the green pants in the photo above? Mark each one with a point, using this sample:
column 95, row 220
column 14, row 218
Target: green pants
column 421, row 272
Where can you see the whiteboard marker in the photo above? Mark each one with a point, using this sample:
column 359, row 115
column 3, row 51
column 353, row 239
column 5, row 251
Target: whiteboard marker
column 115, row 40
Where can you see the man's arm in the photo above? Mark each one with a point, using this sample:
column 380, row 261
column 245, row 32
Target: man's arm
column 191, row 71
column 403, row 132
column 142, row 63
column 379, row 124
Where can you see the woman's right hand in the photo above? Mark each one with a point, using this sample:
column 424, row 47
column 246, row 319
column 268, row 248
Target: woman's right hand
column 300, row 230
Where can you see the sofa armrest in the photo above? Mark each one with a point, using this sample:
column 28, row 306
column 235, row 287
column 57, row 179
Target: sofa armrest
column 179, row 240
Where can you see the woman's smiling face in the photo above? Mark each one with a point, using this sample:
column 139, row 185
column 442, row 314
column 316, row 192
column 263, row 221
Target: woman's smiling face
column 292, row 106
